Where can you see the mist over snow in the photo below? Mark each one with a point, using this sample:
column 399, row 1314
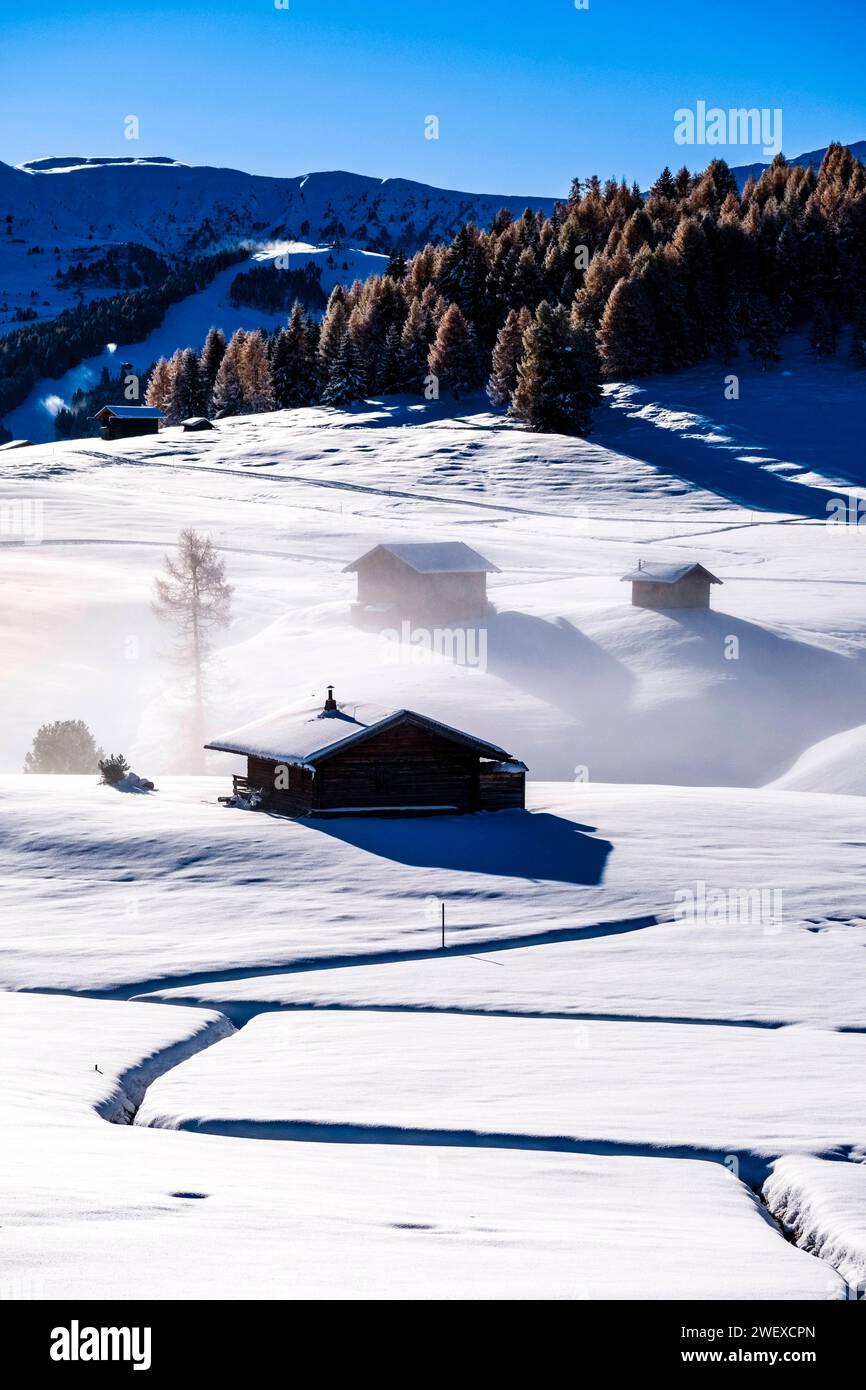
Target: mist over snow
column 637, row 1068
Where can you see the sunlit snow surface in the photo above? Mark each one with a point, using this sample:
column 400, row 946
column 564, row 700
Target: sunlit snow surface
column 650, row 1004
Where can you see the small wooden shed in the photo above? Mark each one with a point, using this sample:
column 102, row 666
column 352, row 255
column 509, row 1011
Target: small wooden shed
column 439, row 581
column 670, row 586
column 126, row 421
column 195, row 423
column 328, row 761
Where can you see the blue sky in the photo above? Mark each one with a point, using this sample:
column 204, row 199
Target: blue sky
column 527, row 94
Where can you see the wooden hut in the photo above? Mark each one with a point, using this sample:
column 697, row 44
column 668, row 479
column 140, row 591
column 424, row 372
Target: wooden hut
column 195, row 423
column 328, row 761
column 670, row 586
column 441, row 581
column 126, row 421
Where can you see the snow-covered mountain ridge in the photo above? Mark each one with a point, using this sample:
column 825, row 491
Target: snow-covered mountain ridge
column 180, row 209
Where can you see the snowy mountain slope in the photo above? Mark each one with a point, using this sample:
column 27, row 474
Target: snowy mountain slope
column 183, row 210
column 186, row 325
column 566, row 673
column 225, row 1218
column 647, row 940
column 836, row 764
column 73, row 209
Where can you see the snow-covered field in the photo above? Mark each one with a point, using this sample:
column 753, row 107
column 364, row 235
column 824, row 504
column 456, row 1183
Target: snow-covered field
column 637, row 1069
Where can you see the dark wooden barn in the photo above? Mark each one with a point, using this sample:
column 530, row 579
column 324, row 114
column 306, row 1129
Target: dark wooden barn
column 670, row 586
column 429, row 582
column 195, row 423
column 126, row 421
column 331, row 762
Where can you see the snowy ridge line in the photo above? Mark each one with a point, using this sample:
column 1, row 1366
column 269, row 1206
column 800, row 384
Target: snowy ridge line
column 131, row 1085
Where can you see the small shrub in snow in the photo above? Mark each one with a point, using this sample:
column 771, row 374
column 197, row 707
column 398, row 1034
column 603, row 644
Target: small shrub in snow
column 113, row 768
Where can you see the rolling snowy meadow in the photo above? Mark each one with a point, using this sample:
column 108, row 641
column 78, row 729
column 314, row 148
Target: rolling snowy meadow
column 233, row 1046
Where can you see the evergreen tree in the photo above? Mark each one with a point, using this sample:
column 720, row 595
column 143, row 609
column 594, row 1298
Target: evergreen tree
column 462, row 278
column 396, row 267
column 346, row 380
column 333, row 331
column 212, row 355
column 453, row 358
column 528, row 284
column 626, row 338
column 415, row 342
column 186, row 396
column 762, row 330
column 293, row 363
column 506, row 356
column 664, row 186
column 559, row 374
column 391, row 373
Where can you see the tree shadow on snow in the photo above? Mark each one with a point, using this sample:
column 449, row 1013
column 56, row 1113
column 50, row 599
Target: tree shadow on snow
column 517, row 844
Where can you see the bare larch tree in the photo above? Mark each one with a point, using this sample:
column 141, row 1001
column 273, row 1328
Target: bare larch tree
column 194, row 597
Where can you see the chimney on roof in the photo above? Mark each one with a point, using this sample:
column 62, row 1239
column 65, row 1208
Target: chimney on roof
column 330, row 703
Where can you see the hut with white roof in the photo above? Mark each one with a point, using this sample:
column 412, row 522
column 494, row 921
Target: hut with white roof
column 670, row 586
column 424, row 582
column 127, row 421
column 328, row 761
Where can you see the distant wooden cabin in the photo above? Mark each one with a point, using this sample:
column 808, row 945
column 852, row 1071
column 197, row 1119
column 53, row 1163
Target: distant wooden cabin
column 196, row 423
column 126, row 421
column 670, row 586
column 441, row 581
column 16, row 444
column 329, row 761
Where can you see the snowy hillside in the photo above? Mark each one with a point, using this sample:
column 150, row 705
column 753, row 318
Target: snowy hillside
column 836, row 764
column 73, row 208
column 176, row 208
column 186, row 325
column 566, row 673
column 564, row 1018
column 238, row 1051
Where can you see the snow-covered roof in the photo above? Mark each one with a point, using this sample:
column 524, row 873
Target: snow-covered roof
column 198, row 422
column 668, row 574
column 433, row 557
column 308, row 735
column 130, row 412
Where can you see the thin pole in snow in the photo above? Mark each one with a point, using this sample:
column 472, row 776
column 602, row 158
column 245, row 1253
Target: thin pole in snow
column 443, row 926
